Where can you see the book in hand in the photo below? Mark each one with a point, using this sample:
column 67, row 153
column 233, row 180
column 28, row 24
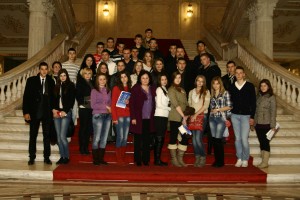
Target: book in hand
column 183, row 129
column 271, row 133
column 122, row 99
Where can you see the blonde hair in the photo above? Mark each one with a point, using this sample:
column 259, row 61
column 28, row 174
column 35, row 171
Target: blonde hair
column 219, row 80
column 86, row 70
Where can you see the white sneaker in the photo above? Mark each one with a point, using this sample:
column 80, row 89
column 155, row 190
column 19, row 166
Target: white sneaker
column 238, row 163
column 245, row 163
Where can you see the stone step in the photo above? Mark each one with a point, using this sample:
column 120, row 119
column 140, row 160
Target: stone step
column 23, row 127
column 19, row 113
column 283, row 117
column 276, row 159
column 23, row 155
column 15, row 120
column 283, row 132
column 283, row 150
column 22, row 145
column 18, row 135
column 279, row 140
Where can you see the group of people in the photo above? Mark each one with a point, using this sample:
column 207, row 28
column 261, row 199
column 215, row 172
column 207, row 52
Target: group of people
column 161, row 88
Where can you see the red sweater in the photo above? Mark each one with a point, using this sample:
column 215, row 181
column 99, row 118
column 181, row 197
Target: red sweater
column 117, row 112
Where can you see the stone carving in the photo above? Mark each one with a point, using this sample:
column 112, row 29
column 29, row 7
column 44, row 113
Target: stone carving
column 278, row 13
column 284, row 29
column 252, row 11
column 21, row 8
column 12, row 23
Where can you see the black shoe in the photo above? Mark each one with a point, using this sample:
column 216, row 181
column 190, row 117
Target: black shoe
column 146, row 163
column 160, row 163
column 66, row 161
column 218, row 165
column 31, row 162
column 47, row 161
column 138, row 164
column 86, row 152
column 60, row 161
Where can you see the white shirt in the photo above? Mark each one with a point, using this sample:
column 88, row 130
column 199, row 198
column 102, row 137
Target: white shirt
column 162, row 101
column 239, row 86
column 196, row 102
column 112, row 67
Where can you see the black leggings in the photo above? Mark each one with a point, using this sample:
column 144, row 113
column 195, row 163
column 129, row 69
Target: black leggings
column 161, row 124
column 262, row 138
column 174, row 133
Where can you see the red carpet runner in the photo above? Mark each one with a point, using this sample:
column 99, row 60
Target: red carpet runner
column 81, row 168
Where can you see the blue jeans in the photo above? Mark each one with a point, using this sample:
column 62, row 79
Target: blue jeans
column 217, row 126
column 197, row 139
column 101, row 125
column 61, row 127
column 122, row 131
column 241, row 129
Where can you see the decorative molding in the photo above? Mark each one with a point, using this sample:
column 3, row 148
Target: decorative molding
column 280, row 13
column 12, row 23
column 284, row 29
column 11, row 7
column 11, row 42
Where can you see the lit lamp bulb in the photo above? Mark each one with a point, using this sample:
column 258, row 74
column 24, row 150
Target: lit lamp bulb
column 105, row 10
column 190, row 10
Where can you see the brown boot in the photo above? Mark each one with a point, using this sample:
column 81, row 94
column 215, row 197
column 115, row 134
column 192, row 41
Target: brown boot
column 180, row 154
column 173, row 152
column 265, row 160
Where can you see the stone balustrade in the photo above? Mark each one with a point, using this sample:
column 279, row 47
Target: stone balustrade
column 285, row 84
column 12, row 83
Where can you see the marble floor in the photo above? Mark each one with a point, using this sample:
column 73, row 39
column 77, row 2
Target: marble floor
column 47, row 190
column 20, row 181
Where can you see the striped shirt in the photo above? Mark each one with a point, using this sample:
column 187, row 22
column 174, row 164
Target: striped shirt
column 72, row 69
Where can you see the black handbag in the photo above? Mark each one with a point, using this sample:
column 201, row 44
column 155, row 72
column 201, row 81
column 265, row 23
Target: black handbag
column 71, row 129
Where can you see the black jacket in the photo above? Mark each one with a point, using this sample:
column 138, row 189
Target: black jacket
column 83, row 89
column 68, row 94
column 210, row 72
column 33, row 96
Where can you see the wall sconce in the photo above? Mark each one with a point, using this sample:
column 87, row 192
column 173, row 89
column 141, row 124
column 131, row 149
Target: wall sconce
column 105, row 10
column 189, row 12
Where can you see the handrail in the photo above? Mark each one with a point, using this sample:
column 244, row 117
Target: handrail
column 285, row 84
column 84, row 37
column 12, row 83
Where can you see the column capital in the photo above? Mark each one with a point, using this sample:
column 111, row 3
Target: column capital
column 252, row 12
column 50, row 8
column 37, row 5
column 265, row 8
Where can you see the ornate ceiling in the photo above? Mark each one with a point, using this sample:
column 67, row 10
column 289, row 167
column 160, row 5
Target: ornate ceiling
column 14, row 25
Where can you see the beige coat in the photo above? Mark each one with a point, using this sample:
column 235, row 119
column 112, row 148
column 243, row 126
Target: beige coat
column 177, row 99
column 266, row 110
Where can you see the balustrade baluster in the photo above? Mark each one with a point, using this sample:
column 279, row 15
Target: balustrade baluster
column 288, row 92
column 14, row 90
column 8, row 93
column 19, row 87
column 283, row 90
column 279, row 86
column 294, row 96
column 2, row 95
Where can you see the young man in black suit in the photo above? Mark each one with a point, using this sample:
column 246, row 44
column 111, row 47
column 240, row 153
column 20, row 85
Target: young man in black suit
column 37, row 108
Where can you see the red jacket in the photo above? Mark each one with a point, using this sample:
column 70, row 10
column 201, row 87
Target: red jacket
column 117, row 112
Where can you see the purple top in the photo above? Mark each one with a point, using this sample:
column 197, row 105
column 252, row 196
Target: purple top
column 147, row 107
column 136, row 103
column 99, row 100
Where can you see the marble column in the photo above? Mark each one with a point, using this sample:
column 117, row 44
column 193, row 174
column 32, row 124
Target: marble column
column 264, row 26
column 48, row 32
column 37, row 23
column 251, row 12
